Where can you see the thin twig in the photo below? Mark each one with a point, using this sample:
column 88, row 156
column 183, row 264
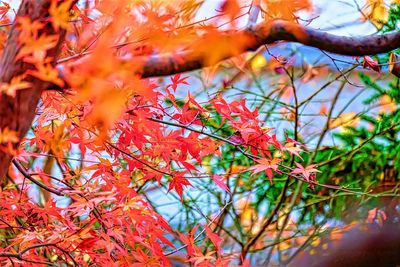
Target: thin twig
column 253, row 14
column 20, row 255
column 22, row 170
column 202, row 231
column 357, row 147
column 138, row 160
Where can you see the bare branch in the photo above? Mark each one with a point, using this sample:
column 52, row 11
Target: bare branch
column 22, row 170
column 268, row 33
column 20, row 255
column 201, row 232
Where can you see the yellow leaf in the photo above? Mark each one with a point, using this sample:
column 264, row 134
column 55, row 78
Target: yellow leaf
column 377, row 12
column 54, row 258
column 346, row 119
column 86, row 258
column 316, row 241
column 285, row 245
column 258, row 63
column 246, row 212
column 387, row 104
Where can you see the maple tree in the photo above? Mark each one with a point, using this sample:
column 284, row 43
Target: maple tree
column 89, row 129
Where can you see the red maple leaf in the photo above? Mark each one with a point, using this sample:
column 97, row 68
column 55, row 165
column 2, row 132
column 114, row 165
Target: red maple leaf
column 218, row 181
column 266, row 165
column 371, row 64
column 305, row 171
column 177, row 184
column 176, row 80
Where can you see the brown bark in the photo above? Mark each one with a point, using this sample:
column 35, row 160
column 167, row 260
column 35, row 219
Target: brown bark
column 17, row 113
column 269, row 33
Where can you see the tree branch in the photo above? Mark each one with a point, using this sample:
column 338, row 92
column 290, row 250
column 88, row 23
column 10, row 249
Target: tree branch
column 22, row 170
column 267, row 33
column 20, row 255
column 201, row 232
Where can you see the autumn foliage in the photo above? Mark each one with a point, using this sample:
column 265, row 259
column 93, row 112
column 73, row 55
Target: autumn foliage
column 103, row 138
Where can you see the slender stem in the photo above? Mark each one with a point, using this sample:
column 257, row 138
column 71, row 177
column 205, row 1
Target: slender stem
column 22, row 170
column 201, row 232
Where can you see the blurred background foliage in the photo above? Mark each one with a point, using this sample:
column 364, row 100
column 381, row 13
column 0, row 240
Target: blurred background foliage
column 348, row 117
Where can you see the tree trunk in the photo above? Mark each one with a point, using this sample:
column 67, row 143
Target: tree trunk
column 17, row 113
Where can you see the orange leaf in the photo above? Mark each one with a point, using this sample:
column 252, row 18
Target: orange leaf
column 36, row 48
column 346, row 119
column 16, row 83
column 8, row 136
column 46, row 72
column 60, row 14
column 231, row 8
column 286, row 9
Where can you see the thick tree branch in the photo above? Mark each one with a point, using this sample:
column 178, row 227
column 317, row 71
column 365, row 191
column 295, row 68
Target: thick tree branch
column 267, row 33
